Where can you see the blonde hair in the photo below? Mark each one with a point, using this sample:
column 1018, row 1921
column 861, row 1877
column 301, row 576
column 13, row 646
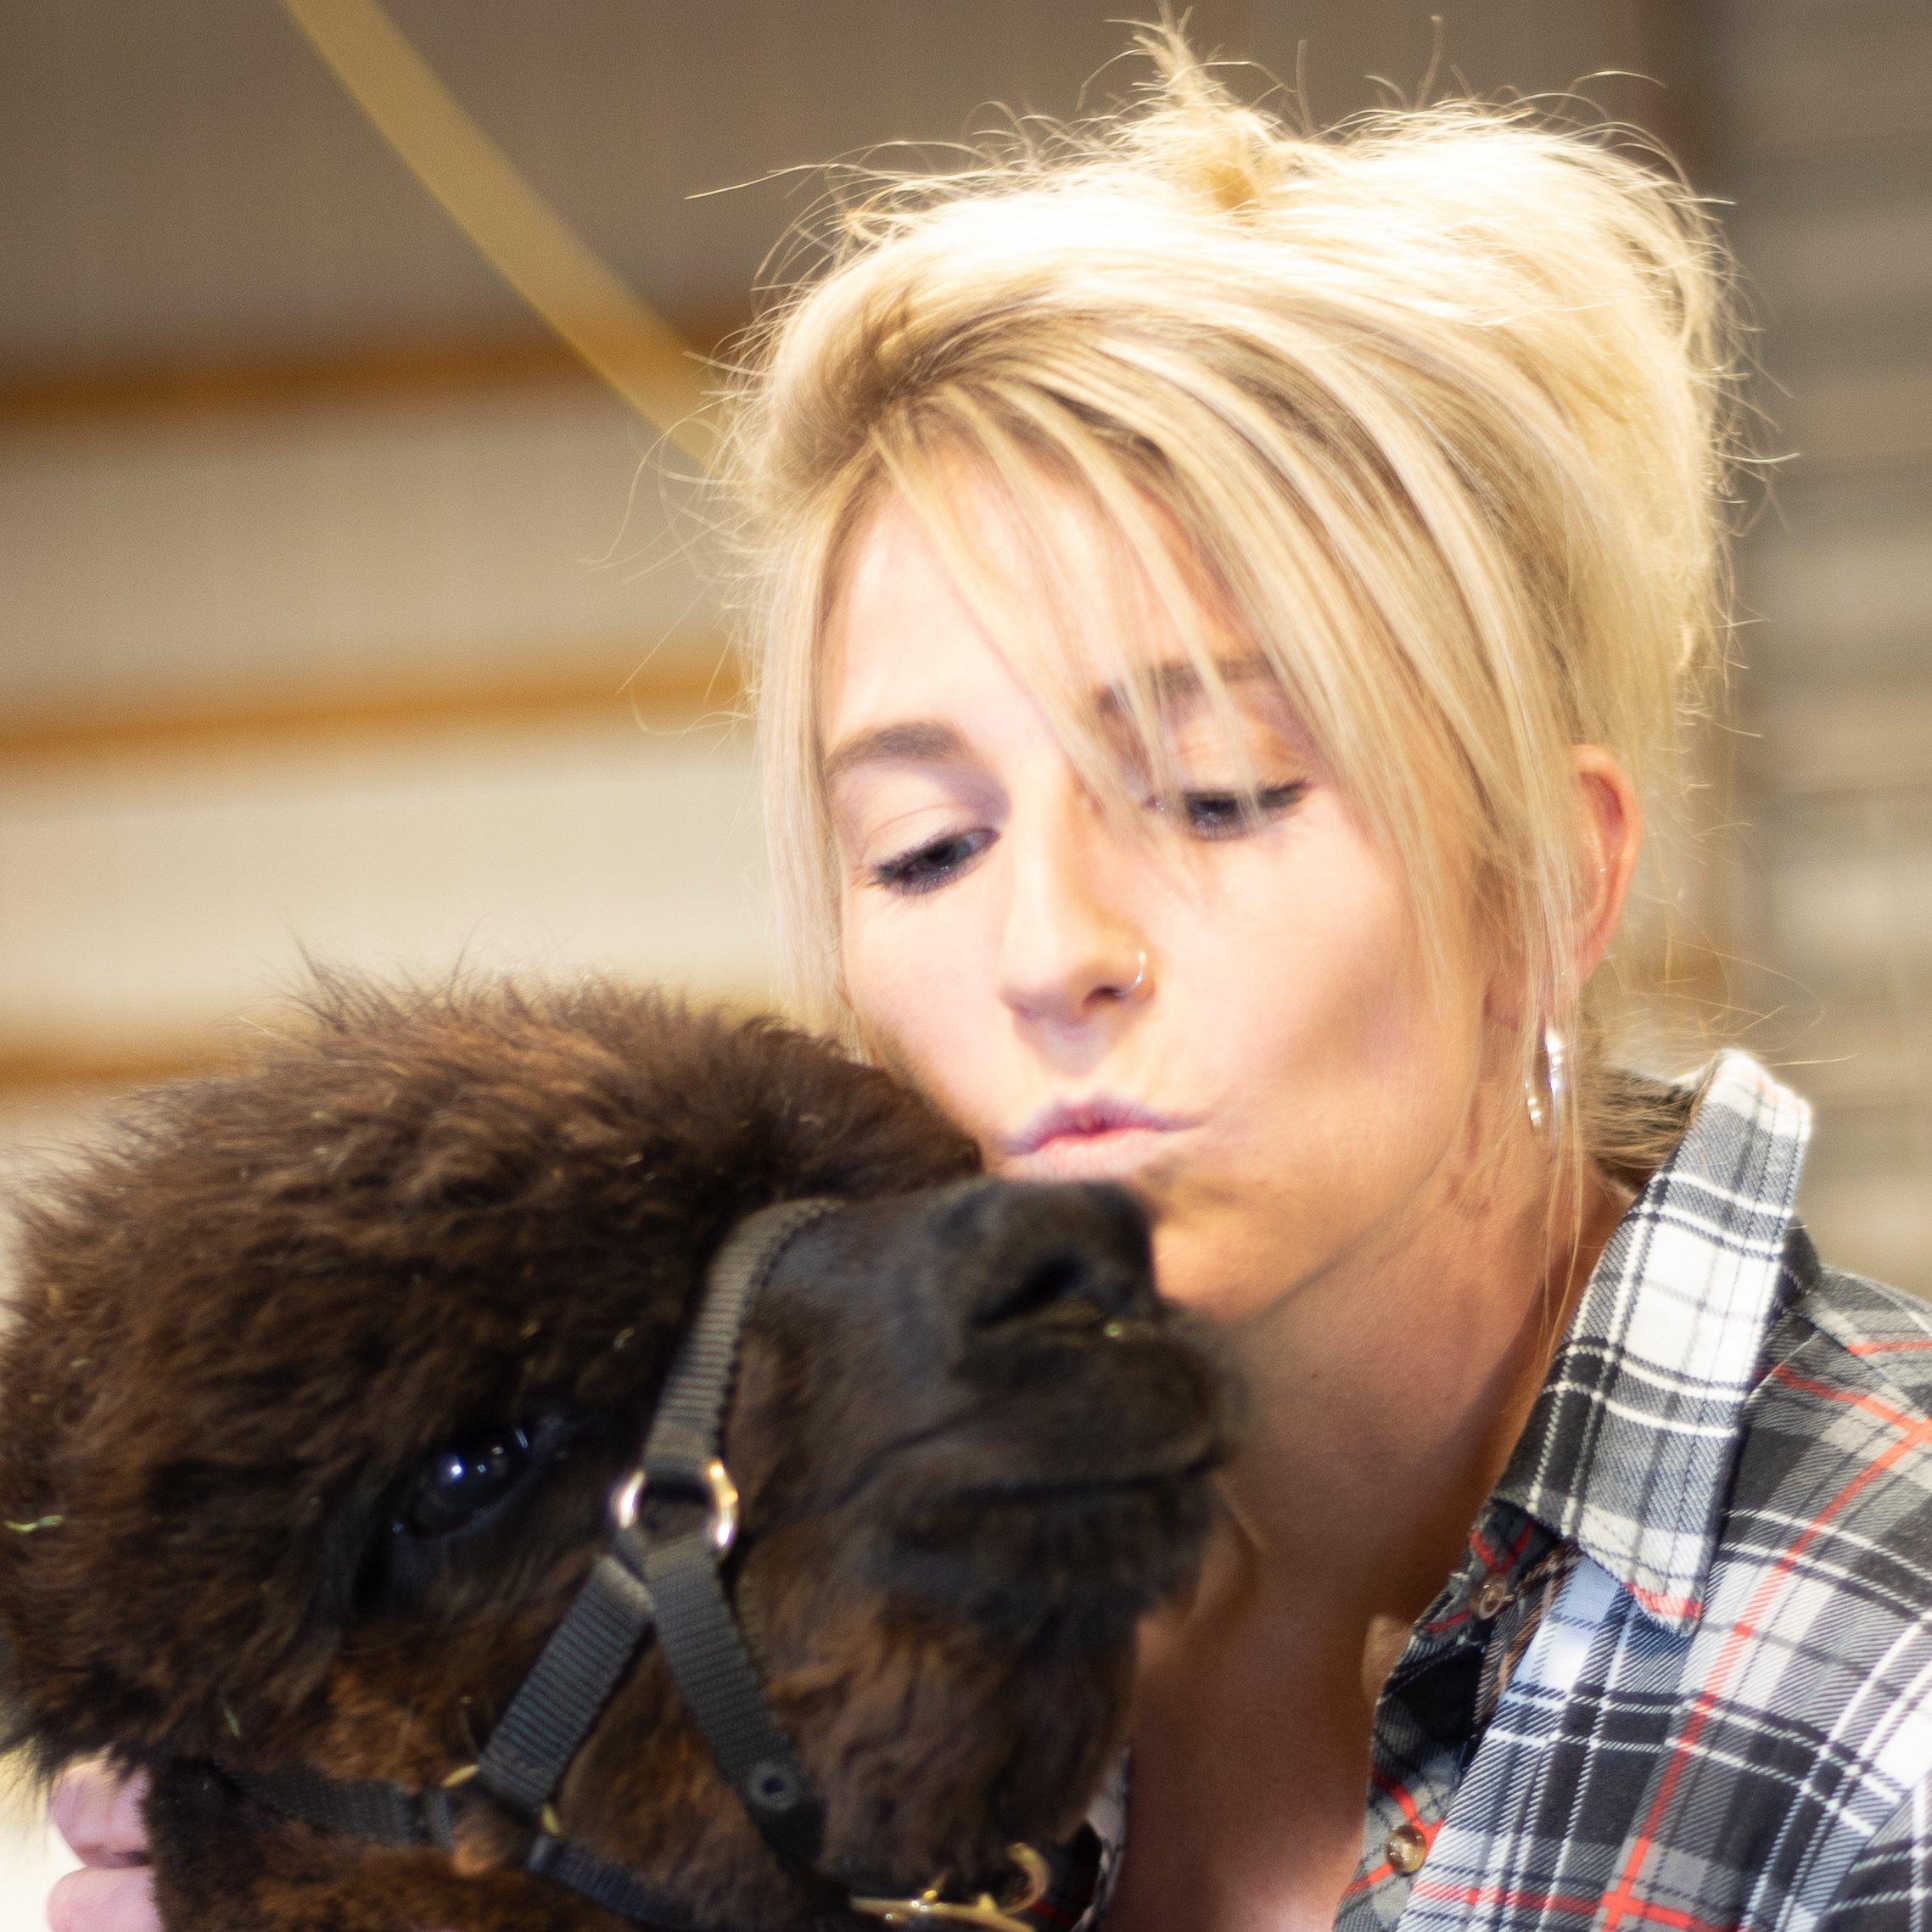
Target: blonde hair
column 1437, row 402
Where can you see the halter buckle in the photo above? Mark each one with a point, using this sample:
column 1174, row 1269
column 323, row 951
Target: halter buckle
column 721, row 1520
column 931, row 1908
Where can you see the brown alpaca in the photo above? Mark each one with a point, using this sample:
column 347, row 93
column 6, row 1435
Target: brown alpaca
column 323, row 1373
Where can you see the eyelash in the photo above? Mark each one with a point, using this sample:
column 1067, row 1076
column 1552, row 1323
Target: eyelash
column 922, row 869
column 1241, row 816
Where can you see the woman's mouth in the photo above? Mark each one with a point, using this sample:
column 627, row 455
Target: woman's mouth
column 1093, row 1138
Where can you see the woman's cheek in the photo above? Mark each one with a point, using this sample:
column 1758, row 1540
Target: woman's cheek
column 906, row 1021
column 1222, row 1262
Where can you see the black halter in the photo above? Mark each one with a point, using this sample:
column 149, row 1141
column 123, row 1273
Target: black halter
column 644, row 1583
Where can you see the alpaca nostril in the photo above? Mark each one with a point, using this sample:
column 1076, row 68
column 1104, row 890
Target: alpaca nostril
column 1031, row 1251
column 1045, row 1283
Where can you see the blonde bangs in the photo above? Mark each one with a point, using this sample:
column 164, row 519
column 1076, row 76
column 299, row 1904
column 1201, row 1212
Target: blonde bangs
column 1430, row 412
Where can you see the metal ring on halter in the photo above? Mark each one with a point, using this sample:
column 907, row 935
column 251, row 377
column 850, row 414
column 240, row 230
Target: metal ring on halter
column 722, row 1527
column 930, row 1908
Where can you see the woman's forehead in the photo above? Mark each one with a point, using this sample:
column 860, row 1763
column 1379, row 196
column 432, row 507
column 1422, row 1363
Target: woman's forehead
column 1057, row 531
column 903, row 631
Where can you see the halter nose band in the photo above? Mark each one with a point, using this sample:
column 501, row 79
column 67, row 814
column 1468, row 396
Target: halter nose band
column 644, row 1584
column 672, row 1585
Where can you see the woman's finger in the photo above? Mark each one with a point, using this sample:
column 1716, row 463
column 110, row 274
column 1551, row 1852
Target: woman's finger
column 96, row 1899
column 99, row 1814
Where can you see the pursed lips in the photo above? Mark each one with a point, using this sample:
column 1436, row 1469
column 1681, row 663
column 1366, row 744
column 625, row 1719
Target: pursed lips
column 1091, row 1138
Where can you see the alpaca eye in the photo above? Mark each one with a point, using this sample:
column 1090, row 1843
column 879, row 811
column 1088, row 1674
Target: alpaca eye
column 464, row 1479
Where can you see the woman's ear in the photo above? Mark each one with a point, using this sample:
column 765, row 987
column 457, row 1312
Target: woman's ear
column 1611, row 832
column 1612, row 829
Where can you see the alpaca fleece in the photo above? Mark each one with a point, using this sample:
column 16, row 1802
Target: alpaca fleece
column 283, row 1326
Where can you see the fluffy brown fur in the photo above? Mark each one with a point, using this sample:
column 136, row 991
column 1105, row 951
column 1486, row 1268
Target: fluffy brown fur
column 972, row 1449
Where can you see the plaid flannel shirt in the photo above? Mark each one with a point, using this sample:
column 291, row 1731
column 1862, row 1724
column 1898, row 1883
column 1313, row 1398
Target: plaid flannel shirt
column 1682, row 1677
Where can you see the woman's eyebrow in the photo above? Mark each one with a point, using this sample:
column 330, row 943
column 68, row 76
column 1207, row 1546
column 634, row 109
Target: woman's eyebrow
column 907, row 740
column 1176, row 683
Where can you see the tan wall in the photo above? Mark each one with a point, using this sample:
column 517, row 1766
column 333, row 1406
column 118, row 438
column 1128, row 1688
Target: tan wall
column 1818, row 126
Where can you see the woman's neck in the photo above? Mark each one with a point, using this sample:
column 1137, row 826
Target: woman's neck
column 1387, row 1396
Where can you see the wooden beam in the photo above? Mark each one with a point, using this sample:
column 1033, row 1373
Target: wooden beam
column 227, row 380
column 59, row 1072
column 611, row 682
column 58, row 398
column 76, row 1070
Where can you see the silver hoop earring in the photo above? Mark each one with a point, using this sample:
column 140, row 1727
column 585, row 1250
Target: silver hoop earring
column 1545, row 1108
column 1127, row 991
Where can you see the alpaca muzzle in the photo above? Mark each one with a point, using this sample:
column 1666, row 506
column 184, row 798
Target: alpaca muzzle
column 667, row 1587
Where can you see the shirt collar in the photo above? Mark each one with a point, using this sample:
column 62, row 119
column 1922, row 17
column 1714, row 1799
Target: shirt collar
column 1630, row 1446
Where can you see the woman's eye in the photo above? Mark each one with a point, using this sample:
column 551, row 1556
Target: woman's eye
column 462, row 1479
column 1228, row 814
column 930, row 865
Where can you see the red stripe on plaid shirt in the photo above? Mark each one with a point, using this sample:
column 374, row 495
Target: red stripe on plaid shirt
column 1580, row 1903
column 1656, row 1601
column 1622, row 1906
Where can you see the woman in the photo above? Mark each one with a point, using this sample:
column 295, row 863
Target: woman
column 1226, row 600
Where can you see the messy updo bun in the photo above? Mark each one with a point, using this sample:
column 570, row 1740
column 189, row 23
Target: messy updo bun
column 1438, row 403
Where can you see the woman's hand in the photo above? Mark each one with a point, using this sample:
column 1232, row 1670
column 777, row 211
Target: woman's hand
column 99, row 1815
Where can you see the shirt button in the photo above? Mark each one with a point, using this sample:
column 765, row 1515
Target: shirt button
column 1491, row 1597
column 1405, row 1848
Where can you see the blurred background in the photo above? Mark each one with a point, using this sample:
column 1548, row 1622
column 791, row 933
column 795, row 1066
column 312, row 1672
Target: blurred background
column 344, row 609
column 341, row 608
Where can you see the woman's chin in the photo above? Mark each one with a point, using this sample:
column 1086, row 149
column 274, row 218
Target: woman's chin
column 1225, row 1281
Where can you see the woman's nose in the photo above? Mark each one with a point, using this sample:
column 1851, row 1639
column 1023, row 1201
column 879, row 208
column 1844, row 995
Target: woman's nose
column 1066, row 948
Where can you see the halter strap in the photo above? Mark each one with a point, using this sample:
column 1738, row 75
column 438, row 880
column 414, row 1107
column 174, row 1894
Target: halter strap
column 640, row 1584
column 643, row 1583
column 673, row 1586
column 388, row 1814
column 702, row 1642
